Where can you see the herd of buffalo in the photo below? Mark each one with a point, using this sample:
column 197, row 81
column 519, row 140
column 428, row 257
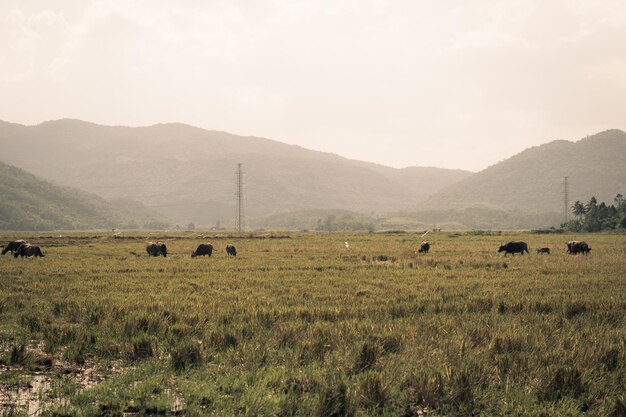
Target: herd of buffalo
column 22, row 248
column 158, row 248
column 573, row 247
column 25, row 249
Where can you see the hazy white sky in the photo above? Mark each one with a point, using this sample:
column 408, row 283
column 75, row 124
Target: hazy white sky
column 456, row 84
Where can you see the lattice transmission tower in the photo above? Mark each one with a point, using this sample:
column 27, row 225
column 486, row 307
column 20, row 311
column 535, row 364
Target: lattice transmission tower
column 565, row 201
column 239, row 219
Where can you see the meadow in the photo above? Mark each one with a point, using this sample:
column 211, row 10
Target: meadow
column 299, row 325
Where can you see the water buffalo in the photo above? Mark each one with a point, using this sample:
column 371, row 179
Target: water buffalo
column 424, row 248
column 513, row 248
column 203, row 249
column 28, row 250
column 574, row 247
column 12, row 246
column 156, row 249
column 543, row 250
column 230, row 250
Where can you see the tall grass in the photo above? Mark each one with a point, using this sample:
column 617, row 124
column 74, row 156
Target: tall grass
column 303, row 326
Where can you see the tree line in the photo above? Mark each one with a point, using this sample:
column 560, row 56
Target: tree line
column 594, row 217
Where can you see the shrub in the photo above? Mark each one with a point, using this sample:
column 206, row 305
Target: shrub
column 141, row 348
column 575, row 308
column 560, row 383
column 391, row 344
column 619, row 410
column 426, row 390
column 186, row 355
column 372, row 393
column 462, row 386
column 222, row 341
column 18, row 355
column 367, row 357
column 76, row 353
column 610, row 359
column 334, row 401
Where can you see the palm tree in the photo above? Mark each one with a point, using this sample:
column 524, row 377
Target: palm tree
column 578, row 209
column 592, row 220
column 591, row 205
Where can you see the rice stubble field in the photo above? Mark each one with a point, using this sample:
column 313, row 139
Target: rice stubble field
column 300, row 324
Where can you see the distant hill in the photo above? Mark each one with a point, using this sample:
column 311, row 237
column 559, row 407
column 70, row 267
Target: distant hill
column 188, row 174
column 30, row 203
column 469, row 218
column 453, row 219
column 532, row 181
column 321, row 220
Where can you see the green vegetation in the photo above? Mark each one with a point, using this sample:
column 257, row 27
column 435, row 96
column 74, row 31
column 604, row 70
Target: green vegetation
column 594, row 217
column 191, row 180
column 469, row 218
column 187, row 173
column 320, row 220
column 299, row 325
column 532, row 181
column 461, row 219
column 30, row 203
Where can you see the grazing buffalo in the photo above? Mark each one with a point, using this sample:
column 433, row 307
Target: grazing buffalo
column 230, row 250
column 203, row 249
column 27, row 250
column 513, row 248
column 156, row 249
column 424, row 248
column 574, row 247
column 12, row 246
column 543, row 250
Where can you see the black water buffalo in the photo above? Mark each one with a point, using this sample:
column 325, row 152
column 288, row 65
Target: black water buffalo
column 230, row 250
column 156, row 249
column 27, row 250
column 574, row 247
column 203, row 249
column 424, row 248
column 513, row 248
column 12, row 246
column 543, row 250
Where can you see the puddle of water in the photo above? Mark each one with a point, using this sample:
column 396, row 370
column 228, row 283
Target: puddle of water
column 32, row 399
column 178, row 405
column 29, row 398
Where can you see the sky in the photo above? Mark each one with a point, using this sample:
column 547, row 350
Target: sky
column 453, row 84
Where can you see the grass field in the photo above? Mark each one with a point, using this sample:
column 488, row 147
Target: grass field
column 299, row 325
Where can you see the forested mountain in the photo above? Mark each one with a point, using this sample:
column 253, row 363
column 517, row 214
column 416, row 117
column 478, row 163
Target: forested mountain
column 532, row 181
column 30, row 203
column 188, row 174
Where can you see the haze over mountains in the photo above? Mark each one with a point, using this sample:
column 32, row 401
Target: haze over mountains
column 532, row 181
column 188, row 175
column 30, row 203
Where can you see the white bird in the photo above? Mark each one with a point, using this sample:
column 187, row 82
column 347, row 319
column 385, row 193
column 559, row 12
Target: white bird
column 347, row 245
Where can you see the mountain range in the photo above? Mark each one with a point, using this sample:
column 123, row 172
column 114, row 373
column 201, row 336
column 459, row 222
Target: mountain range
column 187, row 174
column 533, row 180
column 31, row 203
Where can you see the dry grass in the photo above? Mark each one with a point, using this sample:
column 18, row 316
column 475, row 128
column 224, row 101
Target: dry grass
column 299, row 325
